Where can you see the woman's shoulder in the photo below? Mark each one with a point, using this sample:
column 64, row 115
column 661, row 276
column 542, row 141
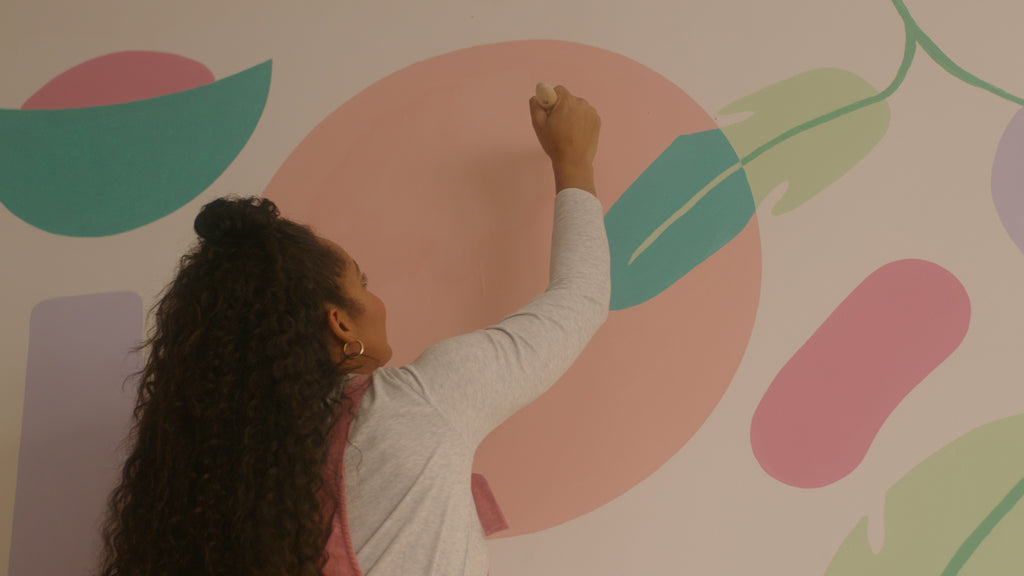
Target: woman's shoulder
column 397, row 383
column 395, row 405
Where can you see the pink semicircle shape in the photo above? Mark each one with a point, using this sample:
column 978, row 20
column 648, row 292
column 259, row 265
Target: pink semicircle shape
column 433, row 180
column 822, row 411
column 118, row 78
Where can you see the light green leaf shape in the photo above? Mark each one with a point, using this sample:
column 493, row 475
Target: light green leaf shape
column 957, row 512
column 800, row 134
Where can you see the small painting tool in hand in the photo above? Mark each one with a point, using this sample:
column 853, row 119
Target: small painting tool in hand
column 546, row 96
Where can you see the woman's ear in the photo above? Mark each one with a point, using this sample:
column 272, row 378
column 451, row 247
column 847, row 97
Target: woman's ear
column 340, row 325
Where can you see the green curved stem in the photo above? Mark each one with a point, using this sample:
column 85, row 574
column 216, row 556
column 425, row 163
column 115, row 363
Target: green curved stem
column 963, row 554
column 909, row 48
column 947, row 64
column 914, row 36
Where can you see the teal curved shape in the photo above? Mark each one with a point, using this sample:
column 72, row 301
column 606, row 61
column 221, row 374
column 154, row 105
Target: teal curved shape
column 689, row 203
column 103, row 170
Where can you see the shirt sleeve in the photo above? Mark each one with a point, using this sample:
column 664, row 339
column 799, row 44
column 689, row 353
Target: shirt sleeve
column 479, row 379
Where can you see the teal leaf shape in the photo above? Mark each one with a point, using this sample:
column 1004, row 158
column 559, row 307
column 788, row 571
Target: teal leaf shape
column 102, row 170
column 690, row 202
column 957, row 512
column 807, row 130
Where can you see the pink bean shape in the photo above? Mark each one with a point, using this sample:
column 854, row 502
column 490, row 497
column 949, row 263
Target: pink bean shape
column 818, row 418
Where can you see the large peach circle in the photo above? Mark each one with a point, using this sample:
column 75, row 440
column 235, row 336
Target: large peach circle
column 433, row 180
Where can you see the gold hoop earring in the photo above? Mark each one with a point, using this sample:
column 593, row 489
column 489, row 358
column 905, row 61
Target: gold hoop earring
column 362, row 348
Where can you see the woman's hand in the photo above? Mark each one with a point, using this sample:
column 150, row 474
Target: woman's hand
column 568, row 133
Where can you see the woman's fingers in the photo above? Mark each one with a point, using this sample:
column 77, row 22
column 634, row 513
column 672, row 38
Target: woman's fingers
column 538, row 114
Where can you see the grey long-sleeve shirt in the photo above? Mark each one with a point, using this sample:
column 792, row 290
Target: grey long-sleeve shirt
column 408, row 468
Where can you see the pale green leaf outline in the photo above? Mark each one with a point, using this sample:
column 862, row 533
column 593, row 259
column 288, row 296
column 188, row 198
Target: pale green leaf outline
column 941, row 512
column 813, row 160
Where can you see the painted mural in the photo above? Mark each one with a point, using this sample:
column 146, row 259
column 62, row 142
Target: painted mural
column 720, row 391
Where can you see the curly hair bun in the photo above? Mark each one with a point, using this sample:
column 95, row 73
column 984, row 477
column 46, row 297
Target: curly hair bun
column 235, row 220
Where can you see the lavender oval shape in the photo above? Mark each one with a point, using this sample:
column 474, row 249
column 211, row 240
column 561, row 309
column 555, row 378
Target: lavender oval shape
column 1008, row 179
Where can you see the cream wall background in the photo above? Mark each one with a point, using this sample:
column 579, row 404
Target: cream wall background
column 923, row 192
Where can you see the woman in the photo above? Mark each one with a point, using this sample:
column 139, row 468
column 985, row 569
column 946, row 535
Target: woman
column 272, row 438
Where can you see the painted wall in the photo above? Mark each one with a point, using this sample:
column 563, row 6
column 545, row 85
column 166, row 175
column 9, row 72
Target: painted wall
column 815, row 210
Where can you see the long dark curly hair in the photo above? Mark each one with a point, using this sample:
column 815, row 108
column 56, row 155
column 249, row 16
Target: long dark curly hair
column 235, row 404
